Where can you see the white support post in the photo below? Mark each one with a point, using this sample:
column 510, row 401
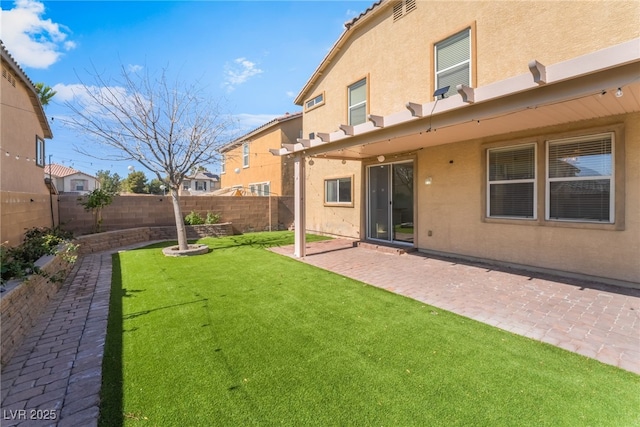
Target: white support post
column 299, row 207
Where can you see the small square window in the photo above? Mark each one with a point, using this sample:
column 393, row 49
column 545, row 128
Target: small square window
column 338, row 191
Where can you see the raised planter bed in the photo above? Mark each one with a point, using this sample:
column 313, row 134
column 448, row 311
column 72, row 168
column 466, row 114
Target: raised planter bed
column 23, row 300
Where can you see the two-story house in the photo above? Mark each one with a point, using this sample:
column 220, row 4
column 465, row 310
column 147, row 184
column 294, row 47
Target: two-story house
column 69, row 180
column 500, row 131
column 25, row 198
column 200, row 183
column 248, row 167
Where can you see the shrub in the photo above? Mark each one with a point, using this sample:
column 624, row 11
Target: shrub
column 193, row 218
column 19, row 261
column 212, row 218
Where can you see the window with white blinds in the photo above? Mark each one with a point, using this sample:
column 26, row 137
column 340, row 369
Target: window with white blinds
column 453, row 61
column 511, row 176
column 245, row 155
column 358, row 102
column 580, row 179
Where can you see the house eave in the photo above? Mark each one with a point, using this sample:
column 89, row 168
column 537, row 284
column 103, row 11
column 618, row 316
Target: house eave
column 545, row 90
column 350, row 27
column 33, row 94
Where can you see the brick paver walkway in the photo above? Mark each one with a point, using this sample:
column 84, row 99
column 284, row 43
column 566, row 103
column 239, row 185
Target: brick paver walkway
column 592, row 319
column 56, row 373
column 54, row 378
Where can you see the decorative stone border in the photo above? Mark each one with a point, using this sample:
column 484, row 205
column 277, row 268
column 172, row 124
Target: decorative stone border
column 194, row 249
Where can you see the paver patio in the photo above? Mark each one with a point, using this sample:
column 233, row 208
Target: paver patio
column 57, row 370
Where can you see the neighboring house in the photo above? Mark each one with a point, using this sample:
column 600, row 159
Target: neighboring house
column 201, row 183
column 250, row 169
column 25, row 198
column 501, row 131
column 68, row 180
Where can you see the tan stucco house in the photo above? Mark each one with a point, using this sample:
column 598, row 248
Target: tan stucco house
column 499, row 131
column 248, row 167
column 69, row 180
column 25, row 199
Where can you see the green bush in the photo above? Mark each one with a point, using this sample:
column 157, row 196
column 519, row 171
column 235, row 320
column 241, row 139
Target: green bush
column 212, row 218
column 193, row 218
column 19, row 261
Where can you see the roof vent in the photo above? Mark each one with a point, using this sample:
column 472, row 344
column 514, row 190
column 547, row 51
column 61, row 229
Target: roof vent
column 402, row 7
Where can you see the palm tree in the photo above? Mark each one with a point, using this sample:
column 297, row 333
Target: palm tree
column 45, row 93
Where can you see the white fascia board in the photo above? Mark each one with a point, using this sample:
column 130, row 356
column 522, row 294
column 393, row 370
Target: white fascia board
column 611, row 57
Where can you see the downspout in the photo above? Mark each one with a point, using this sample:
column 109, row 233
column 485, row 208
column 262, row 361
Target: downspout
column 53, row 221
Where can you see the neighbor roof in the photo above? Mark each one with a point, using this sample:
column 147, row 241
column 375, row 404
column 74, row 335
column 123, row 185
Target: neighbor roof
column 239, row 141
column 31, row 89
column 61, row 171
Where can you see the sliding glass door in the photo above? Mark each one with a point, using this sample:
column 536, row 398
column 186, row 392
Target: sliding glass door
column 390, row 202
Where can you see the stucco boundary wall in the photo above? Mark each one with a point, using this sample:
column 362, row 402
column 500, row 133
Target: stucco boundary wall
column 247, row 214
column 22, row 211
column 23, row 301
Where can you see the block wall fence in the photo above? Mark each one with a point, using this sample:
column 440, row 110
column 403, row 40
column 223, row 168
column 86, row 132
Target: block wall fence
column 246, row 214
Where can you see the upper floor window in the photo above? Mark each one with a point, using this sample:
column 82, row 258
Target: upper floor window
column 40, row 158
column 512, row 182
column 245, row 155
column 79, row 184
column 223, row 163
column 580, row 179
column 358, row 102
column 453, row 61
column 315, row 102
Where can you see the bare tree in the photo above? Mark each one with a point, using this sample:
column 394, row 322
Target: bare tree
column 168, row 128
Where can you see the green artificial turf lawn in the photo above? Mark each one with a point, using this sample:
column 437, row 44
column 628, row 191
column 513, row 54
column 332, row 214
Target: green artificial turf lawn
column 242, row 336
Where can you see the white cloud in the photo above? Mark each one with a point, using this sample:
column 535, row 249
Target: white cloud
column 291, row 94
column 91, row 100
column 134, row 68
column 32, row 40
column 239, row 72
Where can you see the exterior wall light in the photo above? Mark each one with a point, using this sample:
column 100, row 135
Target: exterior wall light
column 428, row 181
column 381, row 158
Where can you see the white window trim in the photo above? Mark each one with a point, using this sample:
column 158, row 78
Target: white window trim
column 533, row 180
column 354, row 106
column 337, row 202
column 258, row 188
column 611, row 178
column 40, row 152
column 469, row 63
column 314, row 102
column 223, row 164
column 245, row 155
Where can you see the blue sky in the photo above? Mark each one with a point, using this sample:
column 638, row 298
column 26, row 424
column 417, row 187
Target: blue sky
column 255, row 54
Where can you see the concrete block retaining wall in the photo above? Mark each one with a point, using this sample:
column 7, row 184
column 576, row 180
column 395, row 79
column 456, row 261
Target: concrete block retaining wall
column 109, row 240
column 23, row 301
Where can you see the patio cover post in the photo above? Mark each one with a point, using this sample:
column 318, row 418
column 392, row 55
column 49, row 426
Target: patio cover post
column 299, row 207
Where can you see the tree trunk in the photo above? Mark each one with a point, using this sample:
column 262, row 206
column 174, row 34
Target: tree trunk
column 177, row 212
